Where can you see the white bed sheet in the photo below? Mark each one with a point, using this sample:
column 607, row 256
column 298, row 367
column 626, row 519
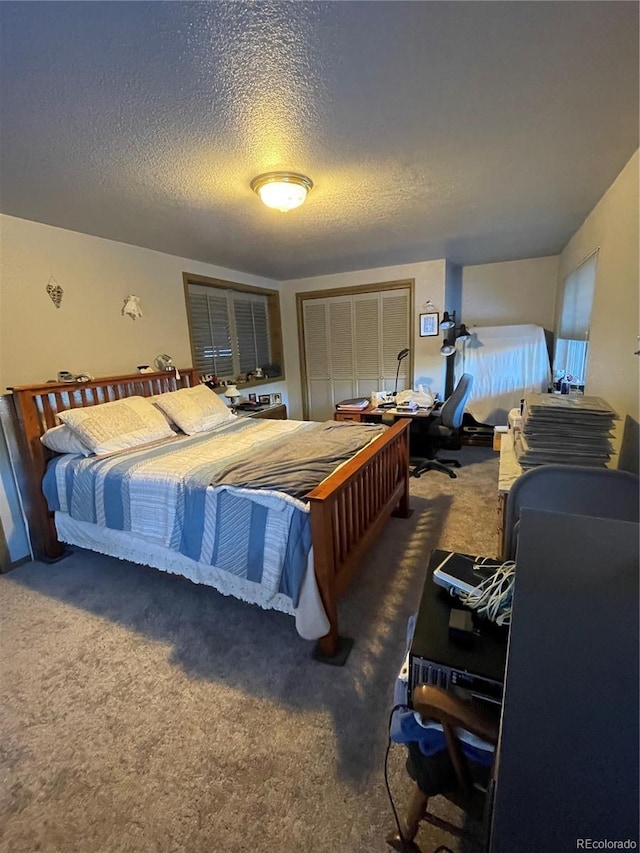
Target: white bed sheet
column 506, row 363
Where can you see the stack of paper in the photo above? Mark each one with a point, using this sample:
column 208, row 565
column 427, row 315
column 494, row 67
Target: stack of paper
column 565, row 430
column 356, row 404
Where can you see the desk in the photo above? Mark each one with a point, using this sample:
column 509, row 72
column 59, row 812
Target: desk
column 374, row 415
column 567, row 755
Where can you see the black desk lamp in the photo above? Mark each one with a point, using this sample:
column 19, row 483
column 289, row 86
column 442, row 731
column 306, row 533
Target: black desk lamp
column 402, row 354
column 453, row 333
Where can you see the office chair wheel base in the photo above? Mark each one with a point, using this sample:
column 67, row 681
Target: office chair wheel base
column 453, row 475
column 394, row 840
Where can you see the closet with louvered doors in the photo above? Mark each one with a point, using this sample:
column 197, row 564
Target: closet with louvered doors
column 350, row 346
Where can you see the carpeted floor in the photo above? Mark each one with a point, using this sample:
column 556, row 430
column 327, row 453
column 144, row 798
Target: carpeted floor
column 144, row 713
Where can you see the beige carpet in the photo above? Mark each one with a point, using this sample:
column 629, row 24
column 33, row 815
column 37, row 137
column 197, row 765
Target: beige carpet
column 144, row 713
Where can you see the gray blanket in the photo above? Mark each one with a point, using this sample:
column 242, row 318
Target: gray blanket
column 296, row 464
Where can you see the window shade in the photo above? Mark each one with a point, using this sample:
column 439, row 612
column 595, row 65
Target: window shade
column 229, row 331
column 252, row 332
column 211, row 333
column 577, row 301
column 572, row 347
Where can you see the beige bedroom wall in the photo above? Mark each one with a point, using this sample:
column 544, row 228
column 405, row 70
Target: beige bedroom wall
column 429, row 279
column 613, row 228
column 88, row 332
column 510, row 292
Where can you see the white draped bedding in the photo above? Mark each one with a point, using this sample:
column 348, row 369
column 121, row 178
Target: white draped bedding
column 506, row 363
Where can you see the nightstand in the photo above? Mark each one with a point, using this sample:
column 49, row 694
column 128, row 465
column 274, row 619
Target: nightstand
column 276, row 412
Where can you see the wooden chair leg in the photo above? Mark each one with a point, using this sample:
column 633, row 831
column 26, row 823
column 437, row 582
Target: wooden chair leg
column 415, row 813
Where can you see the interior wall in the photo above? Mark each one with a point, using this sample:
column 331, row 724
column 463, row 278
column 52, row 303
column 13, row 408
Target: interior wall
column 88, row 333
column 510, row 292
column 429, row 277
column 612, row 227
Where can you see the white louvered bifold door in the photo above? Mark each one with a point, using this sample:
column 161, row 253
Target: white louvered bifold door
column 394, row 314
column 341, row 371
column 366, row 308
column 316, row 351
column 351, row 347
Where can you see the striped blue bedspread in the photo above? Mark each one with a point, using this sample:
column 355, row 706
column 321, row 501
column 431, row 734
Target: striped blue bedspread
column 162, row 493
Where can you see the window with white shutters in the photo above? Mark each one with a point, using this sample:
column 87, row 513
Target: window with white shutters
column 232, row 329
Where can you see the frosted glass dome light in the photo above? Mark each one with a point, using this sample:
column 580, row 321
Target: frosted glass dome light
column 282, row 190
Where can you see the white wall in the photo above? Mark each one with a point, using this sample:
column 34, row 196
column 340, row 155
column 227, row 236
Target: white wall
column 429, row 279
column 88, row 333
column 613, row 227
column 510, row 292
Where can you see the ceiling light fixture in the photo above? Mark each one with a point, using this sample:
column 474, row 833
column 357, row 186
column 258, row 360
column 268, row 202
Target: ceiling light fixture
column 282, row 190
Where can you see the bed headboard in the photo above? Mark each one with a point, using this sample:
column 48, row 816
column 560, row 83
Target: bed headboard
column 37, row 407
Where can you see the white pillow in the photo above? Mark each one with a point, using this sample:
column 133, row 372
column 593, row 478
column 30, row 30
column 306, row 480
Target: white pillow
column 119, row 425
column 196, row 409
column 63, row 439
column 173, row 426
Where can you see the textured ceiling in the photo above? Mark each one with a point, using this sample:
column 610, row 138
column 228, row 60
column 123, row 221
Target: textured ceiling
column 467, row 130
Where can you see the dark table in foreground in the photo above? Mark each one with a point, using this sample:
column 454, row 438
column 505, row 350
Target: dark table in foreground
column 568, row 752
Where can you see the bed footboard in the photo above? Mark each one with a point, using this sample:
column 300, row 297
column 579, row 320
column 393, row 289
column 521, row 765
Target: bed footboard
column 348, row 511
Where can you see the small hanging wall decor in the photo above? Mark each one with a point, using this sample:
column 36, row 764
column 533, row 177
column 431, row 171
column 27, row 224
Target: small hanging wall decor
column 132, row 307
column 55, row 292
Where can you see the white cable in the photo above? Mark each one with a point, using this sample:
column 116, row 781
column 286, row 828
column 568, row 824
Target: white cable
column 492, row 598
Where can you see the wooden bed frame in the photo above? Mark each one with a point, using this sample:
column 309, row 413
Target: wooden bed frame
column 348, row 509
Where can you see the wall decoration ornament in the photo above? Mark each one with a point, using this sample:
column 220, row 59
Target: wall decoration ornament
column 55, row 292
column 131, row 307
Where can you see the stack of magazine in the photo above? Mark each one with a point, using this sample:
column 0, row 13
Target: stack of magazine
column 355, row 404
column 565, row 430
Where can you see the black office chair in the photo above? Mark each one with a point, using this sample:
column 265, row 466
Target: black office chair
column 441, row 428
